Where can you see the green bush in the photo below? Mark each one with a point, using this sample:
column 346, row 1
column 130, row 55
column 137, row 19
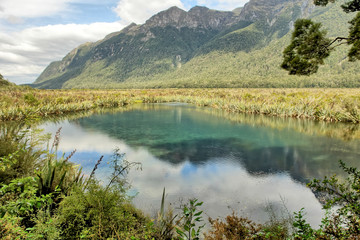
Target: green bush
column 20, row 154
column 30, row 99
column 101, row 213
column 19, row 198
column 52, row 201
column 342, row 202
column 189, row 221
column 10, row 228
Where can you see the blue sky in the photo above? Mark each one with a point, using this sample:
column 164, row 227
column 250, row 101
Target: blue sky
column 34, row 33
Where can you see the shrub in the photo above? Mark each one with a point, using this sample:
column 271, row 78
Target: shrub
column 94, row 211
column 342, row 202
column 55, row 203
column 10, row 228
column 100, row 213
column 20, row 154
column 30, row 99
column 19, row 198
column 189, row 221
column 235, row 227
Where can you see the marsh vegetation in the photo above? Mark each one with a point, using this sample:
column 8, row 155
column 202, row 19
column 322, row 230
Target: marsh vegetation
column 334, row 105
column 43, row 195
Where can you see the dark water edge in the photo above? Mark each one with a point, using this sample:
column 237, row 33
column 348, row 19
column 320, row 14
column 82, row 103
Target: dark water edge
column 237, row 162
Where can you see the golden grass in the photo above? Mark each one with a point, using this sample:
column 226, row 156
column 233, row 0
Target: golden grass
column 333, row 105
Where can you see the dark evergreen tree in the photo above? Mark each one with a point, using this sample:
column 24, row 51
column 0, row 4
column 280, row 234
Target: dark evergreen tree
column 309, row 45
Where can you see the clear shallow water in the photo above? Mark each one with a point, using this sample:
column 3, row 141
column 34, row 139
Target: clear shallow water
column 229, row 161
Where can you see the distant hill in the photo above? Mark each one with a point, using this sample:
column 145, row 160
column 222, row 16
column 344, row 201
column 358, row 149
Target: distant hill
column 204, row 48
column 5, row 83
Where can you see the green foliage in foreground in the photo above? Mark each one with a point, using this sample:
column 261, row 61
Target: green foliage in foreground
column 342, row 202
column 191, row 217
column 342, row 220
column 53, row 202
column 19, row 155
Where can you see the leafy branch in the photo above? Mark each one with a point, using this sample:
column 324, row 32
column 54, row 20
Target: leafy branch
column 309, row 45
column 191, row 216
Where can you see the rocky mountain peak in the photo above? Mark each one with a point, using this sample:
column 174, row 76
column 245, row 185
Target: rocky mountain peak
column 170, row 16
column 269, row 10
column 156, row 48
column 198, row 10
column 196, row 17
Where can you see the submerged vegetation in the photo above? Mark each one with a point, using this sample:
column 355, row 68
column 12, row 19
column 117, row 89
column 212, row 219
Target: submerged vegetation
column 334, row 105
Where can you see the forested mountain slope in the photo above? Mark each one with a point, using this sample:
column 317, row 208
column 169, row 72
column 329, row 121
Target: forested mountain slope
column 205, row 48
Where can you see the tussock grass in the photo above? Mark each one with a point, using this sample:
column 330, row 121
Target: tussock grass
column 333, row 105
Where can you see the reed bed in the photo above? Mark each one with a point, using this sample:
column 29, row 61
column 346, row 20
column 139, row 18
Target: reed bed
column 331, row 105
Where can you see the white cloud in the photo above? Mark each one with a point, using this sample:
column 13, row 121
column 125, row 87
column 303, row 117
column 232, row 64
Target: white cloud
column 139, row 11
column 31, row 8
column 220, row 185
column 15, row 11
column 71, row 133
column 26, row 53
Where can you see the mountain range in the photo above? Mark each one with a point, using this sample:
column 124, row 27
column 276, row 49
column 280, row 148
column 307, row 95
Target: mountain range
column 205, row 48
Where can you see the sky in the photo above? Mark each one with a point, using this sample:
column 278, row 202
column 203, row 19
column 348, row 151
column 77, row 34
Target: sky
column 34, row 33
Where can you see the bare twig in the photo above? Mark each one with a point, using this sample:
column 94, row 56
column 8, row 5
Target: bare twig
column 341, row 41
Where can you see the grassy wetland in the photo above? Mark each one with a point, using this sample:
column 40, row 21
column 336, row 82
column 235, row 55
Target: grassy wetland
column 331, row 105
column 45, row 196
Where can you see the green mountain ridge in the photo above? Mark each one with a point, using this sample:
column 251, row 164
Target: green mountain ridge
column 205, row 48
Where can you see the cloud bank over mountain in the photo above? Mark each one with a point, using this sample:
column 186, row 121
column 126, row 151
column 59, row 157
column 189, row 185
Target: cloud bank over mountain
column 34, row 33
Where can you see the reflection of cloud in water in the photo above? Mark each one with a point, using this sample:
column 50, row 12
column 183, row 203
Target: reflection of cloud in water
column 75, row 137
column 220, row 183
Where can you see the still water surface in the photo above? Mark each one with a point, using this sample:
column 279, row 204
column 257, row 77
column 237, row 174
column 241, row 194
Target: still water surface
column 231, row 162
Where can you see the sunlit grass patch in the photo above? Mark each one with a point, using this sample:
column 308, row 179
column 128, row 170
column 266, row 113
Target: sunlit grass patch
column 333, row 105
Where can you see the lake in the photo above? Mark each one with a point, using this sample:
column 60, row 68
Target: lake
column 249, row 164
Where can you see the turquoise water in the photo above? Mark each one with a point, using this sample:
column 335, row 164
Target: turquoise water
column 231, row 162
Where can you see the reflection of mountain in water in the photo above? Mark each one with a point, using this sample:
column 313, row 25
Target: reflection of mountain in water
column 179, row 133
column 257, row 161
